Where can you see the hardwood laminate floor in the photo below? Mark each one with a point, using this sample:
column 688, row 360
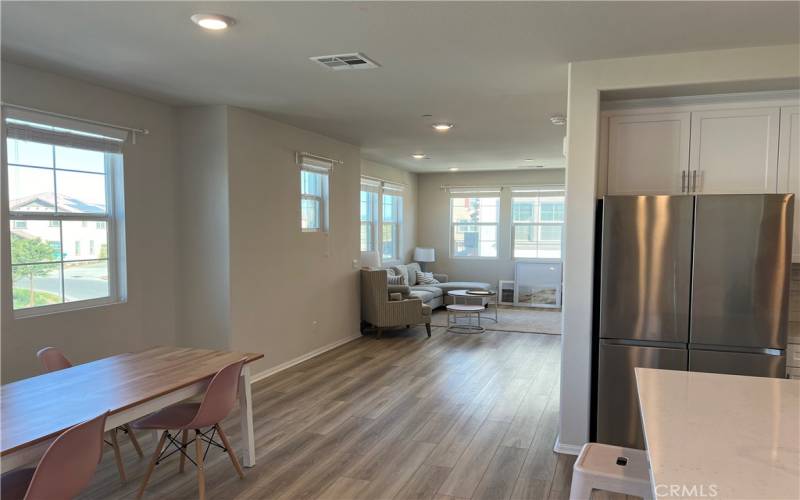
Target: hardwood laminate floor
column 451, row 417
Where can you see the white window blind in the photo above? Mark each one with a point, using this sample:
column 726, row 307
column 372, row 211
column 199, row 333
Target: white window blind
column 474, row 191
column 30, row 126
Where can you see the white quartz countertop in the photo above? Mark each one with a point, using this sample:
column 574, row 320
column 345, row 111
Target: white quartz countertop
column 723, row 436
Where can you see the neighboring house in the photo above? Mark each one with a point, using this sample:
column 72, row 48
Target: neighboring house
column 82, row 240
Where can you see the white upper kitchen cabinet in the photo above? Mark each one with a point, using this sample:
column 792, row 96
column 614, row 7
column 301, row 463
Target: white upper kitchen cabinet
column 789, row 166
column 734, row 150
column 648, row 153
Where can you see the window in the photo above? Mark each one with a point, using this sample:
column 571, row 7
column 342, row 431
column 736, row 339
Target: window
column 391, row 223
column 314, row 175
column 381, row 218
column 64, row 187
column 538, row 219
column 473, row 224
column 369, row 214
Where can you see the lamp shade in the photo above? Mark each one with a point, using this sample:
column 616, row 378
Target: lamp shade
column 424, row 254
column 370, row 259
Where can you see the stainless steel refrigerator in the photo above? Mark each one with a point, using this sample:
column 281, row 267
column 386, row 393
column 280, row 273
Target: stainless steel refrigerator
column 696, row 283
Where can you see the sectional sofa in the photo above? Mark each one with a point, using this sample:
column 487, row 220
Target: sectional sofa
column 434, row 295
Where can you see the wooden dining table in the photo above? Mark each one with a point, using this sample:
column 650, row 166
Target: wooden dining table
column 36, row 410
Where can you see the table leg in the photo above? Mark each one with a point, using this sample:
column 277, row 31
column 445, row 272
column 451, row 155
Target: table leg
column 246, row 411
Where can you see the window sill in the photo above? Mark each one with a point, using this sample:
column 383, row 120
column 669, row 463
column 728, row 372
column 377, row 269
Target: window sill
column 34, row 312
column 473, row 258
column 544, row 260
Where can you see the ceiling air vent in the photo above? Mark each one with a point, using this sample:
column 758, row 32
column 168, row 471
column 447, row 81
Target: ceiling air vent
column 346, row 61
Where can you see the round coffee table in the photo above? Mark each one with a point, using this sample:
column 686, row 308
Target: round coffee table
column 464, row 296
column 466, row 311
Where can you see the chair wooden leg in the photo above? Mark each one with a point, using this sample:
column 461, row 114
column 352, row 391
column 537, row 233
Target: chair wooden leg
column 184, row 440
column 201, row 480
column 117, row 454
column 134, row 441
column 231, row 453
column 428, row 328
column 152, row 465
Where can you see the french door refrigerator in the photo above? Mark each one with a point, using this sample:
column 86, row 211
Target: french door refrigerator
column 695, row 283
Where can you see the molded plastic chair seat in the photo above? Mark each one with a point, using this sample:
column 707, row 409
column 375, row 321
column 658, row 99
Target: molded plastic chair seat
column 610, row 468
column 16, row 482
column 176, row 417
column 53, row 360
column 65, row 469
column 217, row 403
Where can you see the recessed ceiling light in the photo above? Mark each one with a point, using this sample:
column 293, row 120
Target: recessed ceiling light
column 419, row 156
column 442, row 127
column 453, row 169
column 214, row 22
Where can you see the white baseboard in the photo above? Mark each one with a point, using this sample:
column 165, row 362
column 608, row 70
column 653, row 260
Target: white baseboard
column 296, row 361
column 567, row 449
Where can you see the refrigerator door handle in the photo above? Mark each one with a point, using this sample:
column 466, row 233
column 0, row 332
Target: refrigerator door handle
column 694, row 181
column 744, row 350
column 643, row 343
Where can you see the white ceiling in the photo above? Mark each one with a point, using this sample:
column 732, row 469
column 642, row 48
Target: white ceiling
column 498, row 70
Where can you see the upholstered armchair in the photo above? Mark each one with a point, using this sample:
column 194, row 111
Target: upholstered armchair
column 383, row 307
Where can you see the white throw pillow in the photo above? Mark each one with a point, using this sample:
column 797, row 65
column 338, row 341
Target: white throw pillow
column 426, row 278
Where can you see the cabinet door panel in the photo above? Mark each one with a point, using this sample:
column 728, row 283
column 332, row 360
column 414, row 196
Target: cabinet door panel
column 789, row 167
column 647, row 153
column 735, row 150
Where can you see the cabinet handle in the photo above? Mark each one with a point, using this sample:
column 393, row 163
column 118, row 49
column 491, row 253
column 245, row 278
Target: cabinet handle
column 683, row 181
column 694, row 181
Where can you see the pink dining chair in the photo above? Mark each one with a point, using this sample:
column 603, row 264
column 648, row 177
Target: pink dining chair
column 217, row 403
column 53, row 360
column 65, row 469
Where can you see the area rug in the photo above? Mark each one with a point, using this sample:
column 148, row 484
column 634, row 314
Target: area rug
column 514, row 319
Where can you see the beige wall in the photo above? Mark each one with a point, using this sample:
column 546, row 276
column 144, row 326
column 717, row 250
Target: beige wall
column 408, row 240
column 148, row 316
column 203, row 296
column 215, row 256
column 586, row 81
column 291, row 292
column 434, row 220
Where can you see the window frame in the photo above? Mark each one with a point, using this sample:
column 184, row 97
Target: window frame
column 374, row 189
column 496, row 194
column 537, row 226
column 115, row 227
column 398, row 225
column 380, row 188
column 323, row 200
